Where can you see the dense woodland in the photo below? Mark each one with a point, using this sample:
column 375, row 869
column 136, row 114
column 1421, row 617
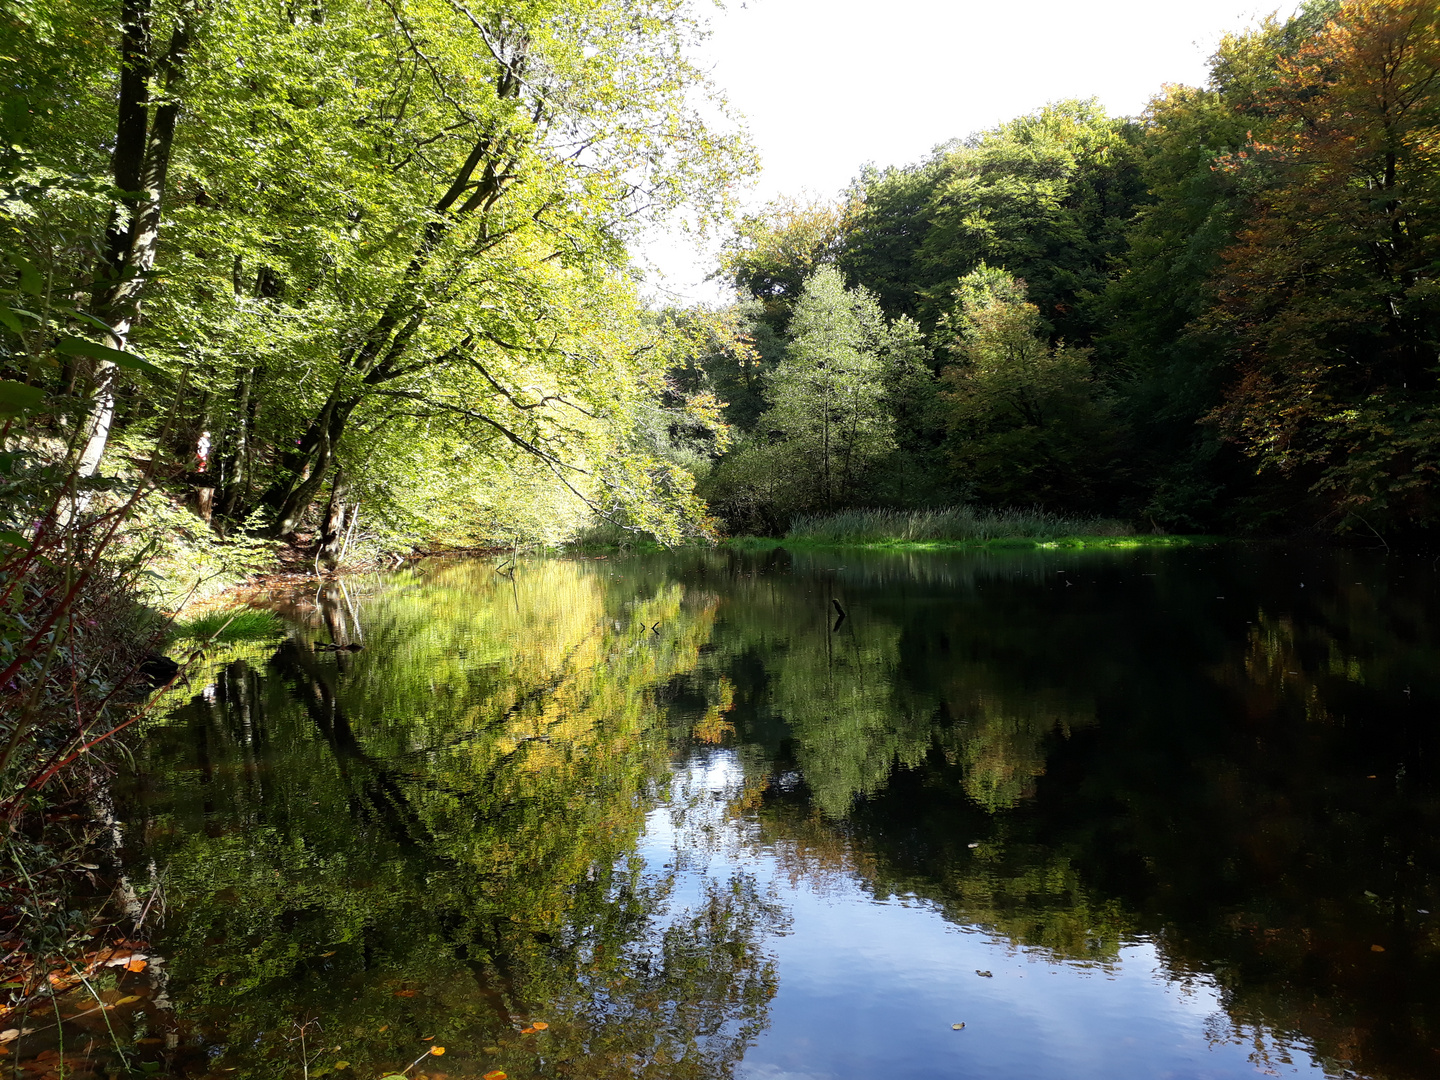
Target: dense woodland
column 290, row 261
column 1220, row 315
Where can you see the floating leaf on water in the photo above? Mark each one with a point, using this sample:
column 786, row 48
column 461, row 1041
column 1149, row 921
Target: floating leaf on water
column 540, row 1025
column 495, row 1074
column 984, row 974
column 127, row 999
column 405, row 993
column 137, row 965
column 1377, row 948
column 437, row 1050
column 527, row 1031
column 957, row 1027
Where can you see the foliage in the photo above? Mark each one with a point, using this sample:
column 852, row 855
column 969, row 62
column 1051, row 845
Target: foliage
column 1029, row 423
column 776, row 251
column 1329, row 289
column 827, row 431
column 391, row 257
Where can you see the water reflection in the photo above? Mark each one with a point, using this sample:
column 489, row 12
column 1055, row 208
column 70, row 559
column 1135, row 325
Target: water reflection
column 1180, row 806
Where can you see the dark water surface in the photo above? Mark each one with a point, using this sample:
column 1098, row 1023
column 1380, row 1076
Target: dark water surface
column 1122, row 814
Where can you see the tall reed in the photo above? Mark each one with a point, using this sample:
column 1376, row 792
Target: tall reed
column 953, row 523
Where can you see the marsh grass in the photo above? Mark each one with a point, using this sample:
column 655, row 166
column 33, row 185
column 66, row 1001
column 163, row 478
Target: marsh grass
column 955, row 524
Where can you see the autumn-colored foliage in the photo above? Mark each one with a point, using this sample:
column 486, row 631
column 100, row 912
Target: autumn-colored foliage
column 1330, row 290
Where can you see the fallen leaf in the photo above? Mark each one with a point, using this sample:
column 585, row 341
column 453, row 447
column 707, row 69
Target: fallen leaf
column 11, row 1034
column 490, row 1049
column 150, row 1042
column 330, row 953
column 1377, row 948
column 384, row 1027
column 136, row 965
column 540, row 1025
column 426, row 1038
column 342, row 1065
column 437, row 1050
column 406, row 993
column 495, row 1074
column 127, row 999
column 984, row 974
column 957, row 1027
column 527, row 1031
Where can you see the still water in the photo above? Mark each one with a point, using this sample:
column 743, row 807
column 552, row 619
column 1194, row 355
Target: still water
column 797, row 815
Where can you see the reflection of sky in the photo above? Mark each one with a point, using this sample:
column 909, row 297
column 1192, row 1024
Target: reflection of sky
column 871, row 988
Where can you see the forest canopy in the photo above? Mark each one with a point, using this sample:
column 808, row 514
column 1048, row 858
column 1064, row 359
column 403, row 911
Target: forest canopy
column 1219, row 315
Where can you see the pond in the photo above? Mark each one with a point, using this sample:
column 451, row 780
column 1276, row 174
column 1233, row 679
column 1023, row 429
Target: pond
column 802, row 815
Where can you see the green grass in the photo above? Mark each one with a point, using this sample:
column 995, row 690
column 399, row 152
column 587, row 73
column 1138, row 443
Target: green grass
column 962, row 527
column 223, row 627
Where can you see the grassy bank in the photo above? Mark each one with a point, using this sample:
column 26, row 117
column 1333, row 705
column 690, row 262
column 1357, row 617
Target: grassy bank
column 961, row 527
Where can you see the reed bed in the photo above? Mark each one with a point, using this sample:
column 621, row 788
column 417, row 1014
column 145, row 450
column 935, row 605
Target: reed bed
column 955, row 523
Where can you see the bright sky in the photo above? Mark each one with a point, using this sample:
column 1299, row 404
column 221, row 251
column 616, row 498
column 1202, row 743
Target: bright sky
column 828, row 85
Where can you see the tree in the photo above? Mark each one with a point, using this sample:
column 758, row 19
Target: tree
column 406, row 216
column 827, row 418
column 775, row 251
column 1046, row 195
column 1029, row 423
column 1330, row 288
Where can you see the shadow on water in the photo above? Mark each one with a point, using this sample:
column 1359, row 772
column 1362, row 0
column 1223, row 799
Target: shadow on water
column 1225, row 756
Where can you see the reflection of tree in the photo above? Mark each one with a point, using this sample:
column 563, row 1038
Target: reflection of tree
column 862, row 696
column 1238, row 770
column 431, row 838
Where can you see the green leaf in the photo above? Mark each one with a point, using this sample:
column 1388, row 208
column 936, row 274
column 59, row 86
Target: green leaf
column 8, row 320
column 30, row 279
column 78, row 346
column 13, row 539
column 17, row 398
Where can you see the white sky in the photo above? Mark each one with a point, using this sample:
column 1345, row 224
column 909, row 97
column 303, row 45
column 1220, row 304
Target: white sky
column 828, row 85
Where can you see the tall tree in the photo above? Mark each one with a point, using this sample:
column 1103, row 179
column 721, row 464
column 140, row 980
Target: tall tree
column 1330, row 288
column 828, row 394
column 1030, row 424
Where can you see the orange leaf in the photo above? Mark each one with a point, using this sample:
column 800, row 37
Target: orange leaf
column 527, row 1031
column 540, row 1025
column 406, row 993
column 1377, row 948
column 330, row 953
column 495, row 1074
column 136, row 965
column 437, row 1050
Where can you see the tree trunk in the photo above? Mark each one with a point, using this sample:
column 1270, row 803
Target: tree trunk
column 141, row 163
column 332, row 533
column 234, row 465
